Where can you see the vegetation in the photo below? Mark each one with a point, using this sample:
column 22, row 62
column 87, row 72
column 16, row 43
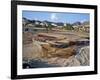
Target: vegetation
column 77, row 26
column 49, row 27
column 68, row 27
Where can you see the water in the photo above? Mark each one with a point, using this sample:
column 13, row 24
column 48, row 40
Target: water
column 37, row 64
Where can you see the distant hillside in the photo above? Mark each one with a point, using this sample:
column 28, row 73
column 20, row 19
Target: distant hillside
column 38, row 22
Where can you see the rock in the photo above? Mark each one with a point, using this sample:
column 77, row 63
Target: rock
column 83, row 56
column 63, row 62
column 27, row 38
column 83, row 42
column 64, row 53
column 46, row 46
column 59, row 56
column 73, row 62
column 80, row 59
column 53, row 60
column 47, row 50
column 31, row 51
column 51, row 36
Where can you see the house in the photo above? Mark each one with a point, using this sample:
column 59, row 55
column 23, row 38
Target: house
column 84, row 28
column 65, row 24
column 33, row 29
column 53, row 24
column 87, row 28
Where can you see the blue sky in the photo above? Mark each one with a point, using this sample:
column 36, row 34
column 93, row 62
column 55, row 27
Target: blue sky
column 56, row 17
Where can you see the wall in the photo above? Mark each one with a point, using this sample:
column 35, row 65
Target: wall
column 5, row 30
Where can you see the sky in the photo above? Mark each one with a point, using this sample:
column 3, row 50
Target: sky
column 56, row 16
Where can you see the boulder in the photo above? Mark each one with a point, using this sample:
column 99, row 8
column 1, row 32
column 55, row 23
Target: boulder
column 63, row 62
column 33, row 50
column 64, row 52
column 63, row 58
column 83, row 56
column 51, row 36
column 72, row 62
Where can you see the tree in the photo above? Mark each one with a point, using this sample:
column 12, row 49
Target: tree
column 68, row 27
column 50, row 26
column 46, row 27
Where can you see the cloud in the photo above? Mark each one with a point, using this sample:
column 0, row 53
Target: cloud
column 53, row 16
column 84, row 20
